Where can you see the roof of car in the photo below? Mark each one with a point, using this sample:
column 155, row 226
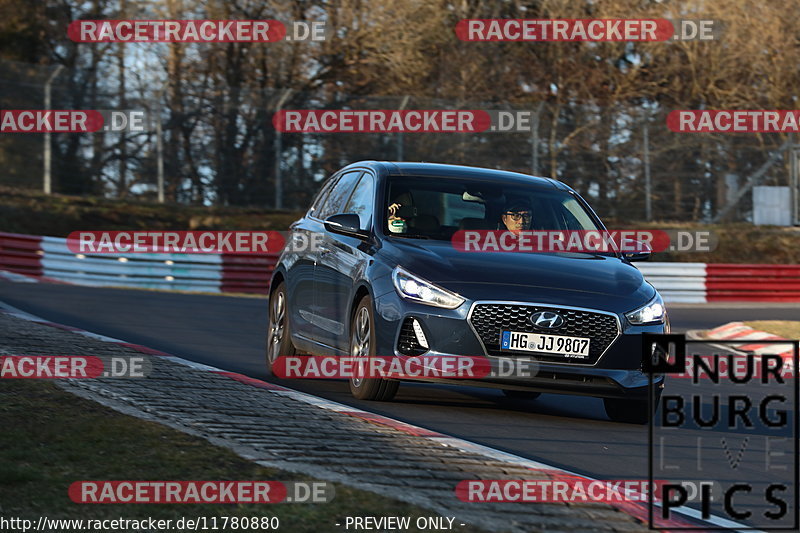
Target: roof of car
column 444, row 171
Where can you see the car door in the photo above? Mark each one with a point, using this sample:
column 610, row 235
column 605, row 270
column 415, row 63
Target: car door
column 343, row 265
column 330, row 268
column 300, row 259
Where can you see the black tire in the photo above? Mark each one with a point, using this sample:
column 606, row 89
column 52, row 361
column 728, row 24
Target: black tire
column 630, row 410
column 279, row 340
column 362, row 343
column 521, row 394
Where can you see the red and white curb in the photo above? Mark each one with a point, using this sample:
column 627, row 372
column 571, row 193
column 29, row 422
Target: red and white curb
column 634, row 509
column 737, row 331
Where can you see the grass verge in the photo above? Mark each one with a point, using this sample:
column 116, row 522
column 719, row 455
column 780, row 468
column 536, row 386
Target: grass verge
column 51, row 438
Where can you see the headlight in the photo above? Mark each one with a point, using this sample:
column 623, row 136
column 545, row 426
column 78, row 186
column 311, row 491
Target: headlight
column 652, row 313
column 419, row 290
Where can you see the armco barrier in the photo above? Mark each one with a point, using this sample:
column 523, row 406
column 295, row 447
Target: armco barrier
column 247, row 273
column 250, row 273
column 21, row 254
column 199, row 272
column 49, row 257
column 760, row 283
column 677, row 282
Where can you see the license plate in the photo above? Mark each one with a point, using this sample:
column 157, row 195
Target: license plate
column 569, row 347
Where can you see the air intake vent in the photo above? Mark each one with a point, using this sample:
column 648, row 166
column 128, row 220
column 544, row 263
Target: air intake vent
column 412, row 339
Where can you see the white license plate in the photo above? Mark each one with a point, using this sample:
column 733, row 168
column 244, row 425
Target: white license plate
column 570, row 347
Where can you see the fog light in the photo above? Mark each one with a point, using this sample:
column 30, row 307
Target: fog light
column 419, row 333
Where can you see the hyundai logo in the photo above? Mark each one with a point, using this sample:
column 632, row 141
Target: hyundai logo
column 547, row 319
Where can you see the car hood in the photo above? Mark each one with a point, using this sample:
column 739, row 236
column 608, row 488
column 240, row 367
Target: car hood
column 579, row 280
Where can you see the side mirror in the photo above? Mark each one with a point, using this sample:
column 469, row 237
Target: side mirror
column 346, row 224
column 636, row 250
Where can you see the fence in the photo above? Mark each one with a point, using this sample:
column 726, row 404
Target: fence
column 49, row 258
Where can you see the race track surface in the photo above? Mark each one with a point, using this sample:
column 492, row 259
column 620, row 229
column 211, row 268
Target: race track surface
column 570, row 432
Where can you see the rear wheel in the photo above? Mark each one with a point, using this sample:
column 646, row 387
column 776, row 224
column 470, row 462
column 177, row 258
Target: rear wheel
column 521, row 394
column 279, row 341
column 630, row 410
column 362, row 344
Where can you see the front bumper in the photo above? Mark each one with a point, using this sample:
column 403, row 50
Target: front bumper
column 614, row 371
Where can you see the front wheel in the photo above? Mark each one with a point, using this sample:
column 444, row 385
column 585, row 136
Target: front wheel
column 362, row 344
column 279, row 341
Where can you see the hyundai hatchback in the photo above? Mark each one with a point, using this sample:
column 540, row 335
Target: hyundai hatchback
column 385, row 278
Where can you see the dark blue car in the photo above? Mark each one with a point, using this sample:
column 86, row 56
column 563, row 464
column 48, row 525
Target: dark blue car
column 386, row 279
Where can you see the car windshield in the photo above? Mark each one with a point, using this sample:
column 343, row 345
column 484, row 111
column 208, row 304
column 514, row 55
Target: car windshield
column 430, row 208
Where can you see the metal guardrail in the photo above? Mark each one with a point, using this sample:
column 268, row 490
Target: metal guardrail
column 151, row 271
column 677, row 282
column 49, row 257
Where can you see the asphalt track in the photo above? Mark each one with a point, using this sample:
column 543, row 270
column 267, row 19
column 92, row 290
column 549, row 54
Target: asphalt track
column 569, row 432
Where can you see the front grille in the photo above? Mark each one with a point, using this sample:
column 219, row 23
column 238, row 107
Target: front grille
column 490, row 320
column 407, row 343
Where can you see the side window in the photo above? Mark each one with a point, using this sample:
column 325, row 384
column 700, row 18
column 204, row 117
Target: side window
column 576, row 216
column 321, row 196
column 362, row 199
column 335, row 202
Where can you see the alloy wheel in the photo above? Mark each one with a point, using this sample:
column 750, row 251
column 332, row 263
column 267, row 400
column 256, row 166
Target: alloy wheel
column 359, row 346
column 276, row 325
